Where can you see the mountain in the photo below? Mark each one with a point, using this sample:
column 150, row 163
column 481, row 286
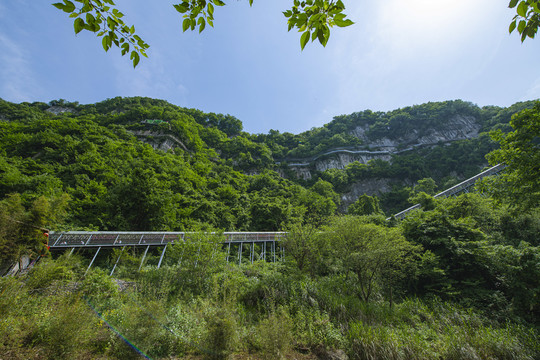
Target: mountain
column 145, row 164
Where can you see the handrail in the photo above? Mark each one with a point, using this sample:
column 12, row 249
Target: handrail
column 456, row 188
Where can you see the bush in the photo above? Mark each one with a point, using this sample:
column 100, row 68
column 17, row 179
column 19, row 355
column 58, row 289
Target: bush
column 221, row 334
column 275, row 334
column 314, row 329
column 98, row 284
column 49, row 272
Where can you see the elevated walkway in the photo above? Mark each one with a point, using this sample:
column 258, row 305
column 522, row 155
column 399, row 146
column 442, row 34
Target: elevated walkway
column 241, row 246
column 455, row 190
column 88, row 239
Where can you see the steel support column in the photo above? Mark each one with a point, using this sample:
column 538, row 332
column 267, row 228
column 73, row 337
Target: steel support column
column 198, row 253
column 144, row 256
column 117, row 260
column 240, row 253
column 94, row 258
column 162, row 254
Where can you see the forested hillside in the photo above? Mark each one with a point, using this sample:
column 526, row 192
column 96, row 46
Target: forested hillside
column 203, row 171
column 458, row 278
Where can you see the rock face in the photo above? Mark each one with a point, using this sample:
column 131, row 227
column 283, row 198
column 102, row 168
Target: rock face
column 159, row 141
column 458, row 127
column 344, row 158
column 369, row 187
column 57, row 110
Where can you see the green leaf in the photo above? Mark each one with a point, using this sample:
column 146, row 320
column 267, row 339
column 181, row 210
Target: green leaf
column 339, row 17
column 521, row 26
column 513, row 3
column 186, row 24
column 135, row 57
column 320, row 36
column 342, row 23
column 210, row 9
column 531, row 32
column 202, row 24
column 125, row 48
column 181, row 8
column 105, row 43
column 70, row 7
column 59, row 6
column 304, row 39
column 522, row 9
column 512, row 26
column 90, row 19
column 78, row 25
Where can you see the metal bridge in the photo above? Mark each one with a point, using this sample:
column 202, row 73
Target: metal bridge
column 247, row 246
column 462, row 187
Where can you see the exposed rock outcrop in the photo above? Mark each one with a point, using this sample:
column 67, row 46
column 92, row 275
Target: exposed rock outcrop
column 457, row 128
column 57, row 110
column 159, row 141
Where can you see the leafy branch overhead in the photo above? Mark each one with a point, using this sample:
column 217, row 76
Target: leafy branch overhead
column 102, row 18
column 527, row 19
column 314, row 18
column 198, row 13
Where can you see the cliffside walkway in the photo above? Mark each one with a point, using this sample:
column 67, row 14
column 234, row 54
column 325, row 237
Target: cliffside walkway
column 455, row 190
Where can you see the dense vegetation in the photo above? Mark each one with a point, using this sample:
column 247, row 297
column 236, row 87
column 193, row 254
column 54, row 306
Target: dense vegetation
column 459, row 279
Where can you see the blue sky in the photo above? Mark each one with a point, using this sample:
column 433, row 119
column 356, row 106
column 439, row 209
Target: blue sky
column 398, row 53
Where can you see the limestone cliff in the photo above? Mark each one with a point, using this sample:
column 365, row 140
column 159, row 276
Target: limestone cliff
column 458, row 127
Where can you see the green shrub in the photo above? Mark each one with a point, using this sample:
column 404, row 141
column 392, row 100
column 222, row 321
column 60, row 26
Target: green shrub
column 314, row 329
column 189, row 325
column 68, row 328
column 49, row 272
column 143, row 324
column 221, row 334
column 370, row 342
column 98, row 284
column 275, row 334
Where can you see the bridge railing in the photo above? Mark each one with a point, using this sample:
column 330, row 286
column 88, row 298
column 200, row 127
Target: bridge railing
column 456, row 188
column 73, row 239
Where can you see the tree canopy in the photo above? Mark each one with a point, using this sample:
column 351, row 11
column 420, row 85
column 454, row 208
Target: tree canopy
column 520, row 151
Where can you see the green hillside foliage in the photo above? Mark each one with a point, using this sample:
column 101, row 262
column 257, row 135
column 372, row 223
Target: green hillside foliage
column 455, row 282
column 458, row 278
column 117, row 182
column 217, row 175
column 418, row 119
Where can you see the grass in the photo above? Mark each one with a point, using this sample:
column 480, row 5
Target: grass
column 254, row 312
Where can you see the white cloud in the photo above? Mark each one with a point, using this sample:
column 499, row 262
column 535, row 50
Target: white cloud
column 533, row 92
column 18, row 82
column 151, row 78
